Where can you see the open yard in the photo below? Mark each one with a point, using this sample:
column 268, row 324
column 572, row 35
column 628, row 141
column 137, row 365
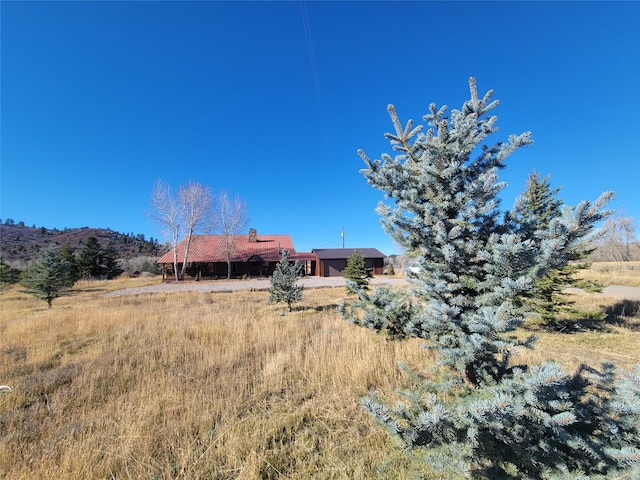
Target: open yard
column 218, row 385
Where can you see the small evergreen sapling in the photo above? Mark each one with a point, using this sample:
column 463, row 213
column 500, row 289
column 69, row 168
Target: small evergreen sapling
column 390, row 270
column 470, row 270
column 356, row 270
column 49, row 277
column 283, row 282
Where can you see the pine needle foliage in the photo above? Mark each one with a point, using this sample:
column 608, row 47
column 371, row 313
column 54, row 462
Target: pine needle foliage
column 8, row 274
column 390, row 269
column 537, row 205
column 356, row 270
column 283, row 282
column 532, row 213
column 49, row 277
column 91, row 258
column 480, row 415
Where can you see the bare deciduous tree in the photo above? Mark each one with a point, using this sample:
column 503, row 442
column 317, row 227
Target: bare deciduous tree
column 230, row 219
column 191, row 209
column 196, row 202
column 166, row 211
column 619, row 234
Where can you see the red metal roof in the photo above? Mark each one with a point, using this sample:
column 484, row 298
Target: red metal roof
column 211, row 248
column 302, row 256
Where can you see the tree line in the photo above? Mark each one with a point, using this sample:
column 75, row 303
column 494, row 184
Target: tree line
column 92, row 261
column 122, row 237
column 22, row 244
column 55, row 271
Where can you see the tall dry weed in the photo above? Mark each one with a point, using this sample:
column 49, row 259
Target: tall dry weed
column 613, row 273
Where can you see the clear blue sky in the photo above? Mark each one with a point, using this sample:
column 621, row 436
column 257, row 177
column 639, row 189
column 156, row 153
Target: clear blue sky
column 271, row 100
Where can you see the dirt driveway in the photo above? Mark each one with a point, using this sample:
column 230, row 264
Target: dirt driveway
column 210, row 286
column 615, row 291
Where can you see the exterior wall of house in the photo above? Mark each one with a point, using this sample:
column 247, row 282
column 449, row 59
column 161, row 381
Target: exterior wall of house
column 376, row 265
column 321, row 268
column 336, row 267
column 311, row 268
column 332, row 268
column 258, row 268
column 210, row 270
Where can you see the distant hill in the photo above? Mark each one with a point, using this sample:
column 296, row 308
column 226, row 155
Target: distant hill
column 19, row 244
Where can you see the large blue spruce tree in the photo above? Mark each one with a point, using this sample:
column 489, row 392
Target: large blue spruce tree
column 480, row 415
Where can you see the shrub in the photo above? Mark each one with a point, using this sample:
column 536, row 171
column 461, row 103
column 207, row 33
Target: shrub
column 283, row 282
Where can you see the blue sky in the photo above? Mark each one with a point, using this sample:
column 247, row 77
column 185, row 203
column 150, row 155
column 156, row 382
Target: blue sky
column 271, row 100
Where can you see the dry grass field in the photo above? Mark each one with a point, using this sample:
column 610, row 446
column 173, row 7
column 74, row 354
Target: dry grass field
column 219, row 386
column 613, row 273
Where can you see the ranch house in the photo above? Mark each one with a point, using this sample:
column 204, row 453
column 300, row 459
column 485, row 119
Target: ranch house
column 252, row 255
column 256, row 255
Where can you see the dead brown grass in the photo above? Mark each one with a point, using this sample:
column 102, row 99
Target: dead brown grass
column 190, row 386
column 613, row 273
column 218, row 386
column 587, row 339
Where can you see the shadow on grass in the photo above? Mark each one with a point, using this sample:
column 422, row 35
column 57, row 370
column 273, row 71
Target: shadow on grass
column 317, row 308
column 88, row 286
column 81, row 291
column 625, row 314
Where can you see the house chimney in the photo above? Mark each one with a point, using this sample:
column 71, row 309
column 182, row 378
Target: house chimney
column 253, row 235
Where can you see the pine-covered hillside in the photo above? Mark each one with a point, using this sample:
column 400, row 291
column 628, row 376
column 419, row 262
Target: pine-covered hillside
column 20, row 244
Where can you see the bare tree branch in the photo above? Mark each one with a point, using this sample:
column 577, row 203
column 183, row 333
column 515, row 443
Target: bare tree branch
column 231, row 218
column 166, row 212
column 195, row 205
column 619, row 234
column 190, row 209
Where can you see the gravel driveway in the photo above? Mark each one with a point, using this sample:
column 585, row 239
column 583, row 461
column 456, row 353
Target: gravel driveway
column 615, row 291
column 250, row 284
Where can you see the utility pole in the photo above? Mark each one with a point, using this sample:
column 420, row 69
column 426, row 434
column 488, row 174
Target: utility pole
column 342, row 235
